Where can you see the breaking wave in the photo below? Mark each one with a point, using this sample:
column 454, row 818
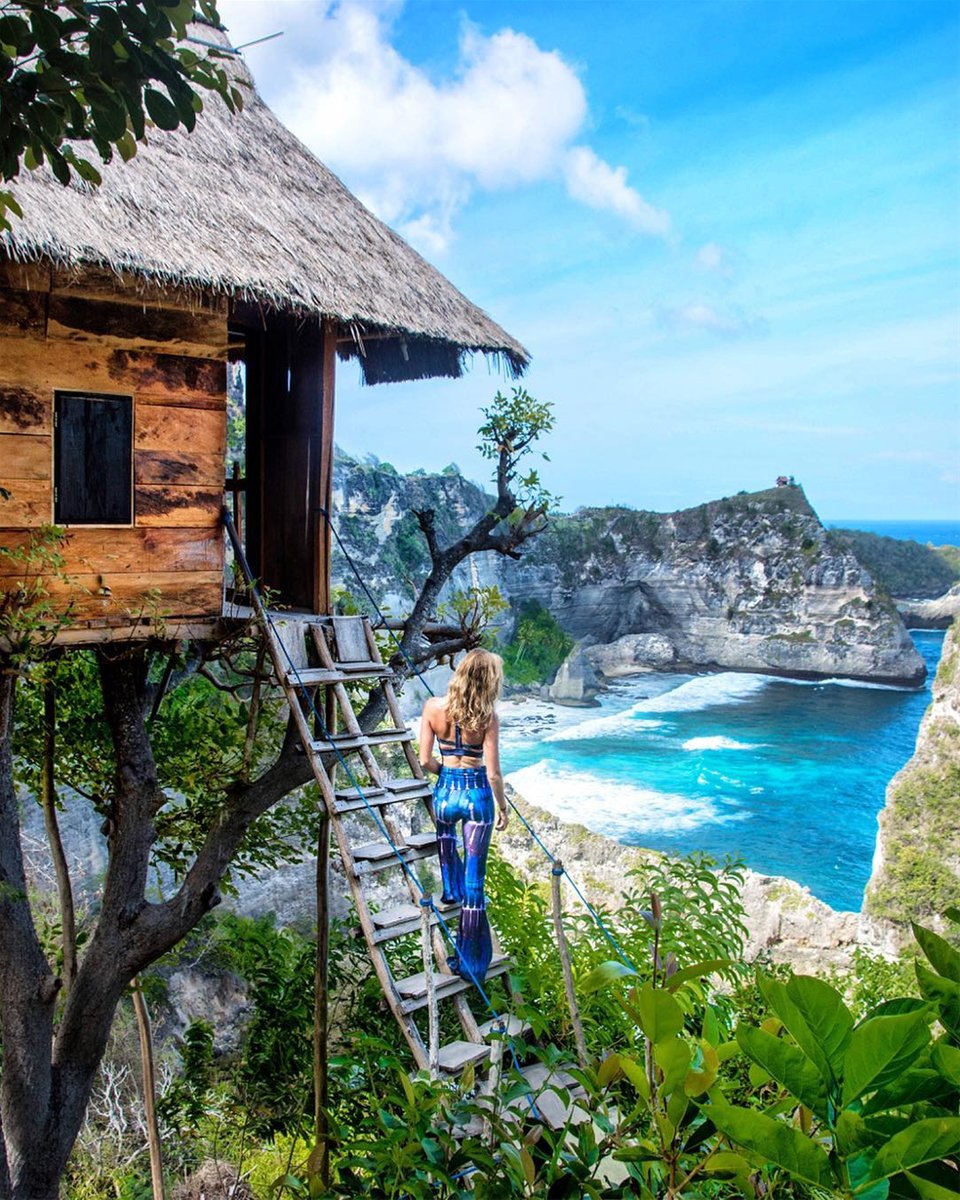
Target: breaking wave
column 619, row 810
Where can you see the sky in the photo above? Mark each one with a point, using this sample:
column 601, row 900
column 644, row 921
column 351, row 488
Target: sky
column 727, row 231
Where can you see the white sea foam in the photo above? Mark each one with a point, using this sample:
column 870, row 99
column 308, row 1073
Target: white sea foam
column 703, row 691
column 852, row 683
column 720, row 743
column 616, row 809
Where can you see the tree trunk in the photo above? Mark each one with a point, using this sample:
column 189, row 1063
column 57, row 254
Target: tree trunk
column 27, row 993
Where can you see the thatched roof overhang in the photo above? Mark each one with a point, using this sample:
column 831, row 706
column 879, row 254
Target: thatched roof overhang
column 240, row 207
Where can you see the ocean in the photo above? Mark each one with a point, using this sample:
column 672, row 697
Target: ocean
column 787, row 775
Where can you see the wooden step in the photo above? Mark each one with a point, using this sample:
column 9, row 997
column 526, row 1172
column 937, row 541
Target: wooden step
column 513, row 1027
column 455, row 1055
column 551, row 1109
column 370, row 864
column 403, row 920
column 348, row 742
column 319, row 676
column 413, row 989
column 377, row 798
column 391, row 791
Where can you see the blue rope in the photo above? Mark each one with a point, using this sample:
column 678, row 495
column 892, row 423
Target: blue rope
column 621, row 953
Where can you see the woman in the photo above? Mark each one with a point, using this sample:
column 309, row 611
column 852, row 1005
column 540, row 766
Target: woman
column 467, row 730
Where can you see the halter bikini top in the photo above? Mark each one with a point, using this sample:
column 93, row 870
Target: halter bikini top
column 458, row 746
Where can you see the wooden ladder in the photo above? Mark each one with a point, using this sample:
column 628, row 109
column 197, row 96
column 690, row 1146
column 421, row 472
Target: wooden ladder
column 346, row 651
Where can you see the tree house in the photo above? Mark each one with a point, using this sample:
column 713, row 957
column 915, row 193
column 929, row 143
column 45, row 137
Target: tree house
column 120, row 309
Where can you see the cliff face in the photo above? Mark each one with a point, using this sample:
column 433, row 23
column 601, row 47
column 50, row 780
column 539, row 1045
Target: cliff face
column 374, row 507
column 916, row 866
column 753, row 582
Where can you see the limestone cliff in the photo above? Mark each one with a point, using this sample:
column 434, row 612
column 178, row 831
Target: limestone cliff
column 374, row 507
column 752, row 582
column 916, row 867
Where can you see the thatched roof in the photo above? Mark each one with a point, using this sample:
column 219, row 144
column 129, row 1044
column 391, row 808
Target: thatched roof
column 240, row 206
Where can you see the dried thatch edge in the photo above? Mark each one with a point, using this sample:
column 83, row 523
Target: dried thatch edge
column 31, row 250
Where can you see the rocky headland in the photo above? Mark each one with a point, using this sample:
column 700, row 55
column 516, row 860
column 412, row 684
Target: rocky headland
column 752, row 582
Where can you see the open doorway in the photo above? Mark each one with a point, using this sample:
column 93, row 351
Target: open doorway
column 279, row 457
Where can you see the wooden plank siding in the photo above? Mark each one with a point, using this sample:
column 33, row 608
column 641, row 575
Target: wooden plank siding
column 95, row 332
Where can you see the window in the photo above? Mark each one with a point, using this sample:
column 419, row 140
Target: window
column 93, row 456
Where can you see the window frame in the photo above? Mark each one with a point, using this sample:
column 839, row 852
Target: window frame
column 61, row 394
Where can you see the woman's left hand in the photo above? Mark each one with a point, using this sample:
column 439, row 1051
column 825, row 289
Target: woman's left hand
column 503, row 818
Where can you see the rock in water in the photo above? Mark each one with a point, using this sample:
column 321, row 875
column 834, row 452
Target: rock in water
column 576, row 683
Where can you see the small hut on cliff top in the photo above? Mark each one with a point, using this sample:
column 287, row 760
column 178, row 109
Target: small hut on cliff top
column 119, row 310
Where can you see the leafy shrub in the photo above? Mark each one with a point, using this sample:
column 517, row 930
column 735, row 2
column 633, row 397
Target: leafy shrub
column 537, row 648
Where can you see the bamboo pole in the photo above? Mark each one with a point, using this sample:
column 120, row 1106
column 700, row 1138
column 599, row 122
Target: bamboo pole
column 434, row 1024
column 556, row 873
column 149, row 1090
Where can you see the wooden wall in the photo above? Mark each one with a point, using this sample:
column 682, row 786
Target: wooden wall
column 90, row 332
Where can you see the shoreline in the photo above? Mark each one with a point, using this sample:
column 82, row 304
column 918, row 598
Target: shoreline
column 786, row 923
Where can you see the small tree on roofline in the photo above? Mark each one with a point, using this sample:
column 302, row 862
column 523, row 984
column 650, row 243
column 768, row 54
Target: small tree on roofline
column 74, row 72
column 186, row 760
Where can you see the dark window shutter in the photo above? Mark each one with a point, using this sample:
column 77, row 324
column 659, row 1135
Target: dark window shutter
column 93, row 459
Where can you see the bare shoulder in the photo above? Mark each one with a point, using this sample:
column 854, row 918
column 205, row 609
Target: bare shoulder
column 433, row 707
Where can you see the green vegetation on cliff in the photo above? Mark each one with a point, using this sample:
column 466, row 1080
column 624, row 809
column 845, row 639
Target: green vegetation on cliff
column 902, row 567
column 537, row 648
column 920, row 825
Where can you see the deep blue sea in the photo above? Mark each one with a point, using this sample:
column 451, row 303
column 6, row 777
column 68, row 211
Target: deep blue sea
column 787, row 775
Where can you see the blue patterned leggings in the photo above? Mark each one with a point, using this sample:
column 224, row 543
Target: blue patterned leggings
column 464, row 794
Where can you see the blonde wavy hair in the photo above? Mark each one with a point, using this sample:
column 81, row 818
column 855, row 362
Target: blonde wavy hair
column 474, row 690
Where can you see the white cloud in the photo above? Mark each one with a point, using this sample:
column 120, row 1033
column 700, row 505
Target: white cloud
column 713, row 257
column 705, row 318
column 592, row 181
column 414, row 147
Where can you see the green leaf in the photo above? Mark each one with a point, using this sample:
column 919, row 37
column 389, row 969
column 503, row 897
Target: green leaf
column 673, row 1059
column 825, row 1014
column 162, row 111
column 934, row 1182
column 788, row 1065
column 637, row 1076
column 696, row 971
column 946, row 1059
column 908, row 1088
column 661, row 1017
column 773, row 1140
column 603, row 976
column 704, row 1077
column 944, row 993
column 941, row 955
column 924, row 1142
column 881, row 1049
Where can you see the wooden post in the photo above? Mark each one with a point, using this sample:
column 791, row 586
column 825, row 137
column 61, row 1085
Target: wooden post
column 434, row 1023
column 556, row 873
column 325, row 491
column 149, row 1089
column 496, row 1065
column 321, row 1009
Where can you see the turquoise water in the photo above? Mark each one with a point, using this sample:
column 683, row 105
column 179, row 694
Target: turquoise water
column 788, row 775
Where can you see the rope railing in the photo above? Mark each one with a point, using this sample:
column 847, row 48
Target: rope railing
column 556, row 863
